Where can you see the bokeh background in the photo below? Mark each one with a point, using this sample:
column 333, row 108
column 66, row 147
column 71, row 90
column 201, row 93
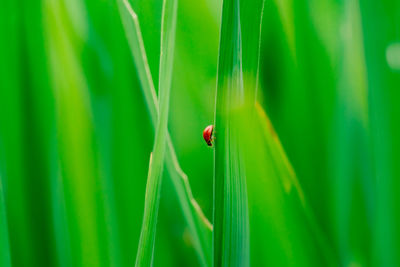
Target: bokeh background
column 75, row 132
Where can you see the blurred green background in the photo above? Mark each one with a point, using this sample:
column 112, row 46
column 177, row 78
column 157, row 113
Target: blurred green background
column 76, row 135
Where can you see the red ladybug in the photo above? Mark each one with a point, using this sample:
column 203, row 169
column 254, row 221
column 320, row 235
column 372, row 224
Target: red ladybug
column 207, row 134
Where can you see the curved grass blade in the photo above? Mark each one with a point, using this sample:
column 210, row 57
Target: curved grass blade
column 199, row 226
column 147, row 236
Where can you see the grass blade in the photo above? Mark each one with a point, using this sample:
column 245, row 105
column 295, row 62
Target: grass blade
column 384, row 121
column 237, row 88
column 280, row 220
column 199, row 227
column 133, row 34
column 153, row 187
column 291, row 186
column 78, row 173
column 251, row 14
column 231, row 221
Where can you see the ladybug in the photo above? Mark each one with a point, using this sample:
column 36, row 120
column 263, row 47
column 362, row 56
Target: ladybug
column 208, row 134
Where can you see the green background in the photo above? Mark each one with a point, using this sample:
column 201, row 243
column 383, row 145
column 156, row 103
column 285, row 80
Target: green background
column 76, row 135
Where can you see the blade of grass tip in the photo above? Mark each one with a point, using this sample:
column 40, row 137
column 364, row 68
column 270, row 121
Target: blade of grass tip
column 231, row 219
column 199, row 226
column 147, row 236
column 5, row 257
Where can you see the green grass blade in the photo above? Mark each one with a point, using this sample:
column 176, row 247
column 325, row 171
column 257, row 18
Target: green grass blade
column 283, row 231
column 251, row 13
column 231, row 221
column 199, row 227
column 290, row 184
column 384, row 120
column 133, row 34
column 12, row 134
column 80, row 182
column 153, row 187
column 271, row 177
column 5, row 256
column 352, row 152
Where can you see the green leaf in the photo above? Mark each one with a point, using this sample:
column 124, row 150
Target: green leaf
column 352, row 155
column 236, row 92
column 12, row 134
column 278, row 206
column 378, row 36
column 77, row 158
column 135, row 40
column 251, row 13
column 281, row 219
column 147, row 236
column 231, row 221
column 199, row 227
column 305, row 226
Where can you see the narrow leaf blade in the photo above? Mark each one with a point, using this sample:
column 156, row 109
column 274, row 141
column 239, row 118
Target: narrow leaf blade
column 147, row 236
column 231, row 221
column 199, row 226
